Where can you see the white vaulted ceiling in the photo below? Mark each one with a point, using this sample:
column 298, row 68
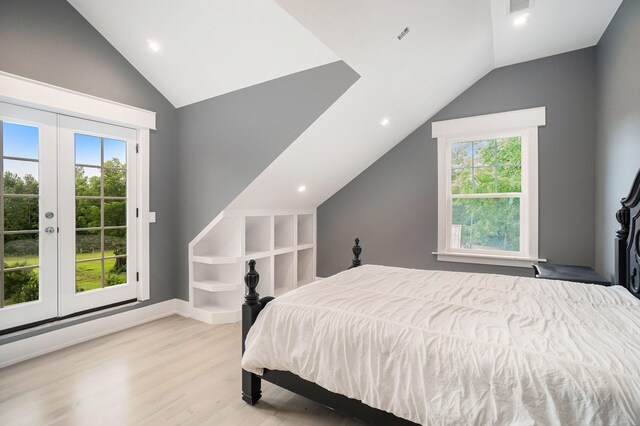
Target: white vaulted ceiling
column 212, row 47
column 450, row 45
column 555, row 26
column 207, row 47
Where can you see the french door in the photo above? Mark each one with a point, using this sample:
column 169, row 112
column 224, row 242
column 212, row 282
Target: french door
column 29, row 249
column 68, row 217
column 97, row 219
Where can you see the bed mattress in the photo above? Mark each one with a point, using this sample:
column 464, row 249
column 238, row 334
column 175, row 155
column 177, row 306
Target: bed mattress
column 456, row 348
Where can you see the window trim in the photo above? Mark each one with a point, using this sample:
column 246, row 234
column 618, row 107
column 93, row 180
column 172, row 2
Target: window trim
column 523, row 123
column 35, row 94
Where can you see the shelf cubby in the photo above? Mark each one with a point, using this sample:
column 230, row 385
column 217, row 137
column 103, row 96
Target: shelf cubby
column 305, row 267
column 224, row 301
column 305, row 229
column 257, row 234
column 283, row 231
column 224, row 240
column 284, row 278
column 221, row 277
column 217, row 308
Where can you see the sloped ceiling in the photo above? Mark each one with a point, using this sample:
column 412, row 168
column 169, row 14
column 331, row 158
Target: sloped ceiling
column 212, row 47
column 555, row 26
column 207, row 47
column 450, row 45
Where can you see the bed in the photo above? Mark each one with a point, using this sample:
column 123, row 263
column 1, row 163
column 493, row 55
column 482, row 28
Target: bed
column 401, row 346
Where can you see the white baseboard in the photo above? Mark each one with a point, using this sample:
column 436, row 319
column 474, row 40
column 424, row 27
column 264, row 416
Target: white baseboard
column 184, row 309
column 41, row 344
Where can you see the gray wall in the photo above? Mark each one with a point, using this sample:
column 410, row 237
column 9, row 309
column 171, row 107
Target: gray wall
column 48, row 40
column 618, row 142
column 392, row 206
column 227, row 141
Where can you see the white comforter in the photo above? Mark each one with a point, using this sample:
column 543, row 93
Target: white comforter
column 457, row 348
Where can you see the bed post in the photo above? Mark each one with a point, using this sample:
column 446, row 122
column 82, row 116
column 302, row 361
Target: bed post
column 356, row 255
column 621, row 250
column 251, row 384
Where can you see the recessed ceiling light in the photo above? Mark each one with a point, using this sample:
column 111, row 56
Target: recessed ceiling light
column 520, row 20
column 384, row 122
column 153, row 45
column 302, row 188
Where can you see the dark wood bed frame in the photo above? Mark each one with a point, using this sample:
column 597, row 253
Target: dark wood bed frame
column 627, row 254
column 251, row 383
column 627, row 247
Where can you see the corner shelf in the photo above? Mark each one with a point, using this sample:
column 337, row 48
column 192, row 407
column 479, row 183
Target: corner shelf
column 216, row 286
column 218, row 307
column 281, row 242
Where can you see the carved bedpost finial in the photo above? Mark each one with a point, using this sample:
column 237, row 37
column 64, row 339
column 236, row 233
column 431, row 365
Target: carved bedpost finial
column 623, row 216
column 251, row 279
column 356, row 255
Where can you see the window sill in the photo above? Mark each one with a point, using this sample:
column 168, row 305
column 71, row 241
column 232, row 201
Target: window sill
column 487, row 259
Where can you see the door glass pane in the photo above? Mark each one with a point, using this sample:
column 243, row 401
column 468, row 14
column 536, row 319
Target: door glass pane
column 115, row 183
column 88, row 181
column 115, row 153
column 20, row 177
column 88, row 245
column 88, row 275
column 21, row 285
column 20, row 214
column 88, row 212
column 20, row 141
column 19, row 252
column 115, row 271
column 486, row 224
column 115, row 213
column 115, row 242
column 88, row 150
column 100, row 202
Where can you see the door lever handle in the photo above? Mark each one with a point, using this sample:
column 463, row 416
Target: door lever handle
column 49, row 229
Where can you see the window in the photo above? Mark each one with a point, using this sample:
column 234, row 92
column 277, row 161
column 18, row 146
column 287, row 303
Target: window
column 488, row 188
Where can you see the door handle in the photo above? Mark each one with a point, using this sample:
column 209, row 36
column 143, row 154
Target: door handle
column 49, row 229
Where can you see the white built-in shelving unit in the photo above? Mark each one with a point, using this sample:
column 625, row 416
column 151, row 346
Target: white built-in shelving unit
column 281, row 242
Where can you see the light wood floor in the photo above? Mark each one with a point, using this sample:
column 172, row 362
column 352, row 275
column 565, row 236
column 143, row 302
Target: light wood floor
column 171, row 371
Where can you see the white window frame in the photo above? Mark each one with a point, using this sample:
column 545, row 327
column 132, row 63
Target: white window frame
column 522, row 123
column 34, row 94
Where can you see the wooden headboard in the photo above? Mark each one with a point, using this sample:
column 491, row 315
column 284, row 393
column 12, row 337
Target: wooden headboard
column 628, row 240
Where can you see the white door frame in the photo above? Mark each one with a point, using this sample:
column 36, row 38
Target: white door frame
column 30, row 93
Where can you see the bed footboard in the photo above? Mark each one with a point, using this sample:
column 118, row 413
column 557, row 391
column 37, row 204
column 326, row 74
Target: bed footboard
column 253, row 304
